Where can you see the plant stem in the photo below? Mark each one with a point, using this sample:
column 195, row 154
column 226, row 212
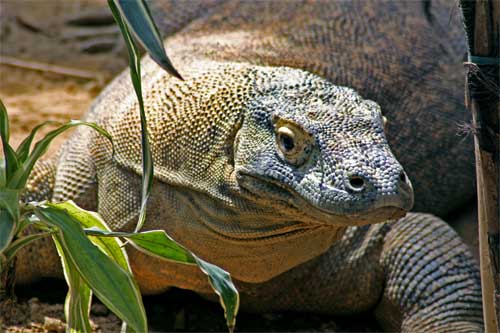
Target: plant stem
column 7, row 279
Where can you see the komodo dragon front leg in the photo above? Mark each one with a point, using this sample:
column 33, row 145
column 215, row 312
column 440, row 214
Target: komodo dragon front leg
column 430, row 278
column 414, row 274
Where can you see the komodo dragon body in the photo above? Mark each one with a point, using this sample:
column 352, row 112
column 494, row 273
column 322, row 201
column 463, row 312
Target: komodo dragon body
column 266, row 165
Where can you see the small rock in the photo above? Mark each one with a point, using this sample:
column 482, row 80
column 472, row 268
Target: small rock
column 54, row 325
column 34, row 304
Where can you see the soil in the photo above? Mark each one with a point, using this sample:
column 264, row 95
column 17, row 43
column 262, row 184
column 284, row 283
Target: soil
column 40, row 309
column 35, row 34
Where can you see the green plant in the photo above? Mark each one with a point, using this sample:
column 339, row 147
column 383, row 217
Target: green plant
column 93, row 257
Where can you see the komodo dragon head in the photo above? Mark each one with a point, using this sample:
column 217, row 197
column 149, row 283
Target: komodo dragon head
column 269, row 166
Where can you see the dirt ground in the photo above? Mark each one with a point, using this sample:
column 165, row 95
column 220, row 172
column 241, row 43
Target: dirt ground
column 173, row 311
column 34, row 37
column 51, row 69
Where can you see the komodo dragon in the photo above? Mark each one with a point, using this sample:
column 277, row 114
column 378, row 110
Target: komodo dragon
column 266, row 165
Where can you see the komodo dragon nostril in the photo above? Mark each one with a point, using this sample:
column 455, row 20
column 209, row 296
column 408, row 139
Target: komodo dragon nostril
column 402, row 177
column 356, row 183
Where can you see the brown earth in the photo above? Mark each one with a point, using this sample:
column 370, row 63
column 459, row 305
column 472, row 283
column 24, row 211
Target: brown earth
column 34, row 34
column 173, row 311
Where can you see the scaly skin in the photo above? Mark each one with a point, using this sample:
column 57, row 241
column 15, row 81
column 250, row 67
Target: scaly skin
column 396, row 53
column 274, row 172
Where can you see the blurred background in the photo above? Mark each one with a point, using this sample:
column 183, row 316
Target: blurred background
column 55, row 57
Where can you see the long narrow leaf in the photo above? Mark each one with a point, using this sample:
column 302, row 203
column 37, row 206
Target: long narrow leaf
column 155, row 242
column 135, row 74
column 113, row 285
column 7, row 229
column 113, row 247
column 24, row 148
column 21, row 175
column 160, row 245
column 3, row 173
column 9, row 216
column 79, row 297
column 221, row 283
column 138, row 17
column 10, row 161
column 9, row 201
column 4, row 123
column 19, row 243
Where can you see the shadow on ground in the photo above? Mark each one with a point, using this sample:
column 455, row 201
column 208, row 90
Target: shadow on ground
column 40, row 308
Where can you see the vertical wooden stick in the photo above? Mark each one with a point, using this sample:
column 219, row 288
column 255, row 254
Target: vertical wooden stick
column 484, row 195
column 483, row 92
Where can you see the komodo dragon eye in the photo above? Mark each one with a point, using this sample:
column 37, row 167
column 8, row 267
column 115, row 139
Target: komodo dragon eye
column 294, row 144
column 286, row 138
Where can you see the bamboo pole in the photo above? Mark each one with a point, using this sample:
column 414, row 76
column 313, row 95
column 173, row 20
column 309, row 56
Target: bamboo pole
column 482, row 24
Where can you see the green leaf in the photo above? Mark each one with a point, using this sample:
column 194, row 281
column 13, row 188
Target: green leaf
column 19, row 243
column 3, row 173
column 21, row 175
column 79, row 297
column 24, row 148
column 7, row 229
column 112, row 284
column 4, row 123
column 9, row 216
column 138, row 17
column 9, row 200
column 221, row 282
column 113, row 247
column 135, row 74
column 11, row 161
column 155, row 242
column 159, row 244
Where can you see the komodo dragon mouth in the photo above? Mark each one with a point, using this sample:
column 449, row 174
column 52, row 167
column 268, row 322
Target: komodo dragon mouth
column 316, row 215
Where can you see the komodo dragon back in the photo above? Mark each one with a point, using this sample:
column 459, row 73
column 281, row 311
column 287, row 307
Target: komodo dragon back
column 271, row 159
column 398, row 53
